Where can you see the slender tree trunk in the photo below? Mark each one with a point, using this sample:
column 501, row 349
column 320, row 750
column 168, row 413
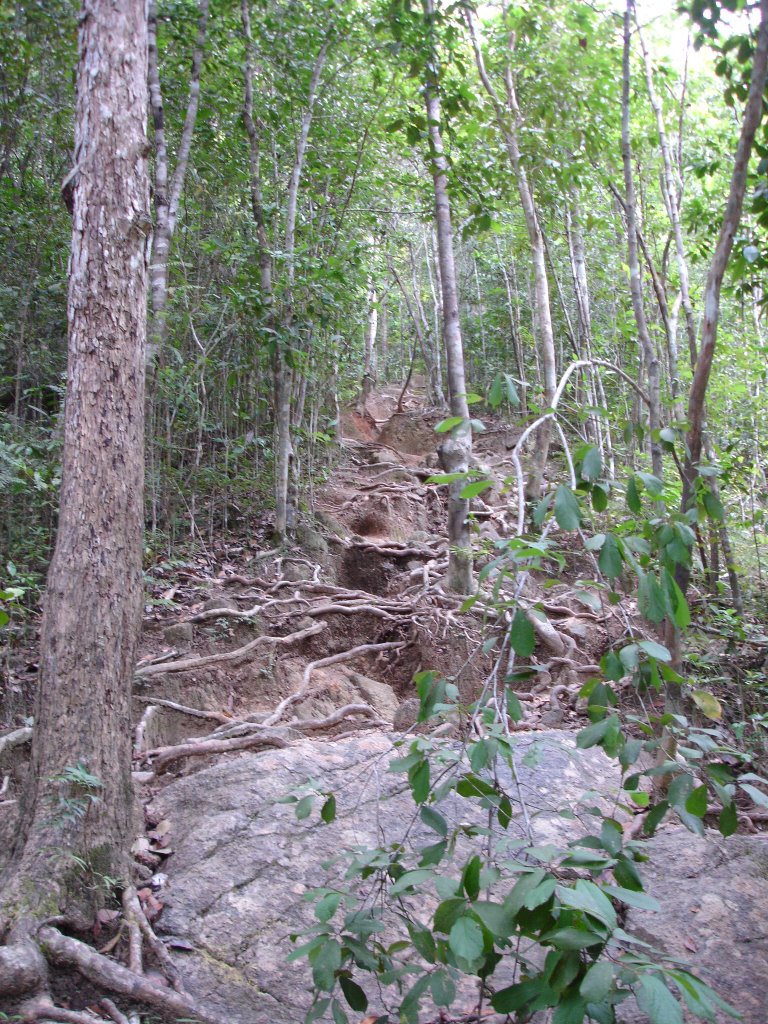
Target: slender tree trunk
column 421, row 330
column 672, row 191
column 93, row 602
column 577, row 251
column 510, row 285
column 369, row 342
column 254, row 161
column 456, row 450
column 752, row 116
column 285, row 513
column 168, row 192
column 384, row 337
column 509, row 120
column 635, row 278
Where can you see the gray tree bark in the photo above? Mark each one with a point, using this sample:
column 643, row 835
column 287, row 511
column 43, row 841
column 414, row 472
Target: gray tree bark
column 456, row 451
column 93, row 602
column 509, row 119
column 168, row 192
column 635, row 279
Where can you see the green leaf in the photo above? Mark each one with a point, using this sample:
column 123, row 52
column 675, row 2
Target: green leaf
column 651, row 599
column 448, row 424
column 496, row 393
column 696, row 802
column 570, row 1010
column 567, row 511
column 410, row 879
column 522, row 636
column 655, row 999
column 339, row 1017
column 325, row 961
column 470, row 878
column 328, row 810
column 634, row 504
column 496, row 917
column 754, row 794
column 419, row 780
column 677, row 602
column 597, row 982
column 423, row 941
column 433, row 854
column 591, row 899
column 354, row 995
column 507, row 1000
column 654, row 650
column 448, row 913
column 655, row 817
column 304, row 807
column 466, row 939
column 599, row 497
column 728, row 821
column 442, row 988
column 708, row 704
column 434, row 820
column 592, row 734
column 476, row 487
column 640, row 900
column 609, row 559
column 573, row 938
column 327, row 906
column 592, row 464
column 653, row 485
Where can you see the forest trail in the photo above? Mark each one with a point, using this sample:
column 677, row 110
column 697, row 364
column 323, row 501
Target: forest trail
column 327, row 636
column 266, row 673
column 312, row 653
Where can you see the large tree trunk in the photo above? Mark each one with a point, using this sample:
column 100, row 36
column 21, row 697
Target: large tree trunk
column 73, row 833
column 456, row 451
column 168, row 193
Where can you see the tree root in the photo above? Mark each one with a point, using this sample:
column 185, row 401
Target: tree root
column 68, row 952
column 238, row 655
column 334, row 659
column 256, row 734
column 24, row 974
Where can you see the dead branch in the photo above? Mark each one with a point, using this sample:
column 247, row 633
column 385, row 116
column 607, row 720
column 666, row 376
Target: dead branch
column 238, row 655
column 15, row 738
column 162, row 757
column 141, row 728
column 214, row 716
column 334, row 659
column 66, row 951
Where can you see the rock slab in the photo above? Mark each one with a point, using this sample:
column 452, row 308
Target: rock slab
column 243, row 864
